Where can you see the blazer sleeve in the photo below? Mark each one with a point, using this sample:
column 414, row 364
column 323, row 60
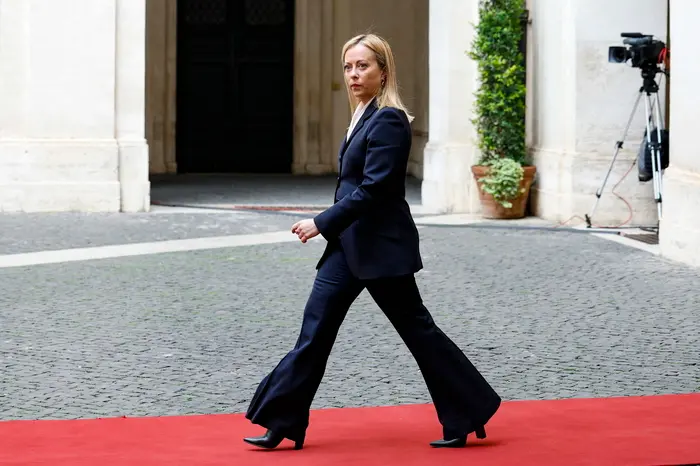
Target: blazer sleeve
column 383, row 163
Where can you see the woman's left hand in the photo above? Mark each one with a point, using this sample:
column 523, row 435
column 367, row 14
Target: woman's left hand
column 305, row 229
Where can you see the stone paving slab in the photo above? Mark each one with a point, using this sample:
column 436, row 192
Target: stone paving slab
column 542, row 314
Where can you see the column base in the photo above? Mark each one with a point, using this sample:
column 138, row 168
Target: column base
column 448, row 185
column 74, row 176
column 567, row 183
column 55, row 175
column 59, row 197
column 679, row 236
column 135, row 188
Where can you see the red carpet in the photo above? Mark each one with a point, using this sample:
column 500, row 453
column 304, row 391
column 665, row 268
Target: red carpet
column 660, row 430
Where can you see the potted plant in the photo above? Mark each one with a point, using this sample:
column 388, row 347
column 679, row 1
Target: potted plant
column 503, row 173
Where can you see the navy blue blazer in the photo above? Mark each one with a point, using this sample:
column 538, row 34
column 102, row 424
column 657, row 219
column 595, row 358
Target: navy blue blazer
column 370, row 216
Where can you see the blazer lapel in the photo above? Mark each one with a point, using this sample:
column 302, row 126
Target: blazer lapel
column 365, row 116
column 343, row 143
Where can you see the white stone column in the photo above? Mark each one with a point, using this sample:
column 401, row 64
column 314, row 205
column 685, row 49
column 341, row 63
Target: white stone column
column 57, row 81
column 448, row 184
column 580, row 104
column 130, row 105
column 679, row 237
column 71, row 105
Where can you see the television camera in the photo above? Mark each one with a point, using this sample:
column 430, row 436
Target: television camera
column 648, row 54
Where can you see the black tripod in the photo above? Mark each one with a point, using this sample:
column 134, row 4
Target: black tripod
column 649, row 88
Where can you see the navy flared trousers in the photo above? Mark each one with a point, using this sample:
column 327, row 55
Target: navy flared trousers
column 463, row 399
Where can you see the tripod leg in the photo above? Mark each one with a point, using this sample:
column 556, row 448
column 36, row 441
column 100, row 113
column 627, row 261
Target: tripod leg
column 655, row 155
column 618, row 146
column 659, row 149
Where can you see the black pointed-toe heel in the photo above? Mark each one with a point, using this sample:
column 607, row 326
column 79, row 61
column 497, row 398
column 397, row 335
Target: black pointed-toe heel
column 458, row 442
column 271, row 440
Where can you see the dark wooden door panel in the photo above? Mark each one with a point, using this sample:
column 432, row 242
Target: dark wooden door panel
column 235, row 85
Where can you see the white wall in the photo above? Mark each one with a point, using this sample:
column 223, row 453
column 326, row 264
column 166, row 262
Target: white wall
column 680, row 226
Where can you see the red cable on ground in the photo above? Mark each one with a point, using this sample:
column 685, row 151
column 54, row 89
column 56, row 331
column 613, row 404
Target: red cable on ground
column 629, row 206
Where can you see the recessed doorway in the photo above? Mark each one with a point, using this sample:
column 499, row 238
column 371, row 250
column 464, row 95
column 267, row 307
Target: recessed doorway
column 235, row 86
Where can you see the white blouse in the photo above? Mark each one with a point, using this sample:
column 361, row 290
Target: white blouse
column 359, row 111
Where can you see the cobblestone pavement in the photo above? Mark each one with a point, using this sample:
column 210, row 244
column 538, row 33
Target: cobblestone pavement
column 20, row 233
column 542, row 314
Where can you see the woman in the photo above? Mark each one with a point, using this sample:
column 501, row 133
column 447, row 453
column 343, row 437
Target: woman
column 373, row 244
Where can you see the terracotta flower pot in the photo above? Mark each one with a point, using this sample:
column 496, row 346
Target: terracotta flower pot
column 491, row 208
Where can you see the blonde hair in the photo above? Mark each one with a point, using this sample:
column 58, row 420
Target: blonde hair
column 388, row 95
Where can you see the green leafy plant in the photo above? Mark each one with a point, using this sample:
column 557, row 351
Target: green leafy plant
column 503, row 180
column 500, row 99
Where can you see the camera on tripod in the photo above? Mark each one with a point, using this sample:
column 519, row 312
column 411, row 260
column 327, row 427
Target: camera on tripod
column 647, row 54
column 643, row 52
